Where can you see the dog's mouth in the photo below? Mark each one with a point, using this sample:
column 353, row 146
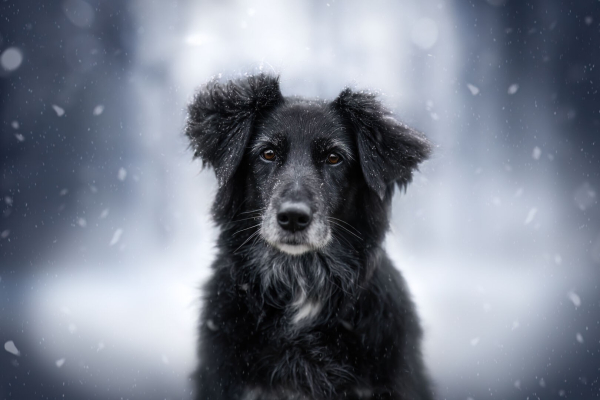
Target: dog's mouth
column 293, row 249
column 290, row 243
column 314, row 237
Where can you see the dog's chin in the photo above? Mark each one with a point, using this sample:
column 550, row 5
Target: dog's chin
column 293, row 249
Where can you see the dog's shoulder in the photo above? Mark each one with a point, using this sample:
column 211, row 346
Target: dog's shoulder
column 386, row 301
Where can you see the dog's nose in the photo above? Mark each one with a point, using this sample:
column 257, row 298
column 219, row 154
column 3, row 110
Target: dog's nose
column 294, row 216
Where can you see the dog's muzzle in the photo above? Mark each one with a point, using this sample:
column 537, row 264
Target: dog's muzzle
column 293, row 221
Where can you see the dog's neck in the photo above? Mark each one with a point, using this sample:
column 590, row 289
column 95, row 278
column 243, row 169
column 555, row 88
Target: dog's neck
column 304, row 288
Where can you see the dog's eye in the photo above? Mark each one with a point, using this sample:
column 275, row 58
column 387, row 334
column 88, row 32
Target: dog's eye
column 333, row 158
column 268, row 154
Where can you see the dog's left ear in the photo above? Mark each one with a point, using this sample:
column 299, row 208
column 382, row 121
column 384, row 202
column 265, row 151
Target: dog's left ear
column 389, row 151
column 222, row 116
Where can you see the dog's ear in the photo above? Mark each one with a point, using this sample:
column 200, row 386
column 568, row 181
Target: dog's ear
column 389, row 151
column 221, row 118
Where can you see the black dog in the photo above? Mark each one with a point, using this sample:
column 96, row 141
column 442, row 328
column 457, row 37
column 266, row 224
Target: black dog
column 304, row 303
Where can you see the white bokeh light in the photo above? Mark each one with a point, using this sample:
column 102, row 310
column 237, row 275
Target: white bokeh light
column 11, row 59
column 424, row 33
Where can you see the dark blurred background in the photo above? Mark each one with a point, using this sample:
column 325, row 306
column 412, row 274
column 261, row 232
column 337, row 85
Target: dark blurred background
column 104, row 230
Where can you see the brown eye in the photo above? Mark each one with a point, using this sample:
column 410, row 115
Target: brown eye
column 268, row 155
column 333, row 158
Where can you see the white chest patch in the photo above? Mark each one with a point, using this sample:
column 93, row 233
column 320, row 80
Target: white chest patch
column 307, row 310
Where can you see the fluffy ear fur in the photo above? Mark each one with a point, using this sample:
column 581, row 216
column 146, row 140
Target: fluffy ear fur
column 389, row 151
column 221, row 118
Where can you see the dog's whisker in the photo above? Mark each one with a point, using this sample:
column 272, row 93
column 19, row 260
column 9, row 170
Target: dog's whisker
column 245, row 219
column 346, row 229
column 336, row 239
column 346, row 241
column 245, row 229
column 341, row 220
column 247, row 240
column 256, row 238
column 241, row 205
column 257, row 210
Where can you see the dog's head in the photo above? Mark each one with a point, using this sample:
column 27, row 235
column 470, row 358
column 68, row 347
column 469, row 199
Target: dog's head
column 303, row 167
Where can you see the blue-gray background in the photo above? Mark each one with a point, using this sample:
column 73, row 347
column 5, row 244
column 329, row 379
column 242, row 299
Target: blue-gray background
column 104, row 230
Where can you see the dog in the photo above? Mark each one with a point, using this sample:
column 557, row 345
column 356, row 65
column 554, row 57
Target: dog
column 304, row 302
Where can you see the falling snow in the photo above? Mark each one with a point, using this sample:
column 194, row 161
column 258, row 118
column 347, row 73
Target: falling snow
column 122, row 174
column 575, row 299
column 211, row 325
column 474, row 89
column 530, row 215
column 116, row 237
column 59, row 111
column 99, row 109
column 11, row 348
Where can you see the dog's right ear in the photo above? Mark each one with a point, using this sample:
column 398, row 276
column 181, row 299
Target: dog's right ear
column 221, row 118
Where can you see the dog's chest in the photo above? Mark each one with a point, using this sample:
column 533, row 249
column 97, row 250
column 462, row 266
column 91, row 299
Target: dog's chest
column 258, row 393
column 299, row 286
column 304, row 310
column 301, row 311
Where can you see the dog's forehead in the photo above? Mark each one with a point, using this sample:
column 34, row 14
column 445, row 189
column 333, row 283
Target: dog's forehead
column 303, row 123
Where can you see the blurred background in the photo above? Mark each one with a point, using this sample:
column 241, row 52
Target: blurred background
column 105, row 236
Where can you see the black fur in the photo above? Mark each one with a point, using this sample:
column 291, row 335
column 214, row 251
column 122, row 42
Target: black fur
column 335, row 322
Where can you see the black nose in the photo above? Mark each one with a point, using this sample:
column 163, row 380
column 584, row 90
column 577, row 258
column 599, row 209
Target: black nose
column 294, row 216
